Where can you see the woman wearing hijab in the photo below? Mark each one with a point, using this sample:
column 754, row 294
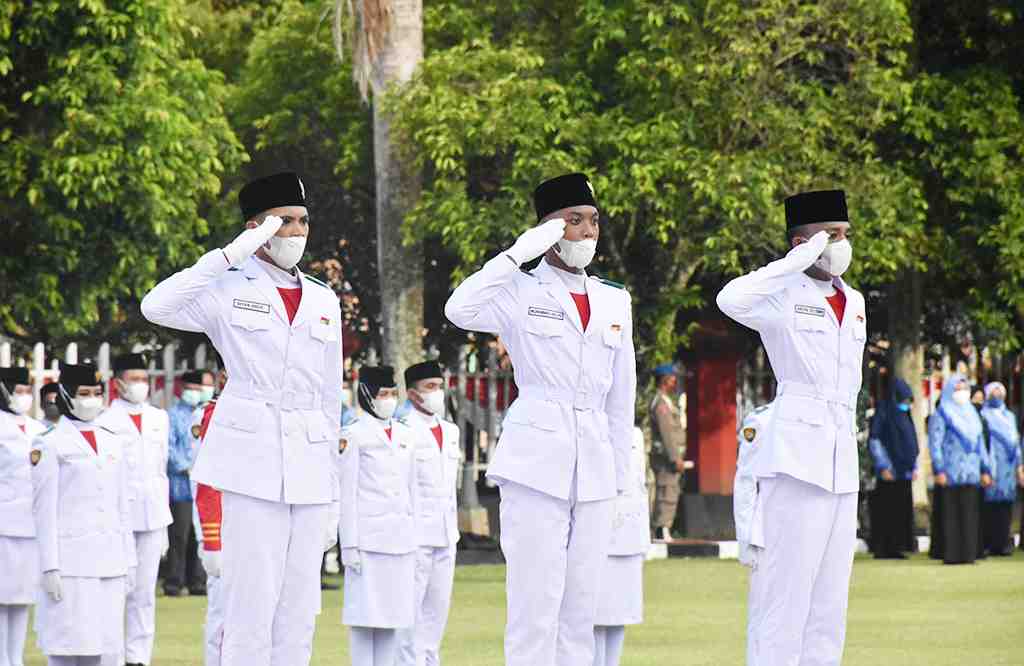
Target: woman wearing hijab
column 960, row 464
column 1005, row 456
column 893, row 445
column 378, row 531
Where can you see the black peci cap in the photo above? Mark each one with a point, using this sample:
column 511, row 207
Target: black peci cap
column 425, row 370
column 130, row 362
column 816, row 207
column 262, row 194
column 73, row 376
column 14, row 376
column 573, row 189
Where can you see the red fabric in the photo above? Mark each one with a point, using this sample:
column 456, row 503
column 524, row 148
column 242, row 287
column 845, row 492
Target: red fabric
column 388, row 431
column 291, row 298
column 22, row 426
column 90, row 437
column 137, row 419
column 208, row 499
column 437, row 435
column 583, row 306
column 838, row 303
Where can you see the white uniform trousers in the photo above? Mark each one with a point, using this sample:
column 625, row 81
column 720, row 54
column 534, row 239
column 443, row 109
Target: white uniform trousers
column 140, row 609
column 270, row 580
column 555, row 551
column 213, row 631
column 13, row 629
column 800, row 587
column 373, row 646
column 420, row 645
column 608, row 642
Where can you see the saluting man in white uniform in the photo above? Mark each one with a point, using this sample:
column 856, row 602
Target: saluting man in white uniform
column 744, row 498
column 145, row 430
column 81, row 508
column 379, row 498
column 438, row 455
column 564, row 450
column 621, row 600
column 813, row 328
column 273, row 440
column 19, row 555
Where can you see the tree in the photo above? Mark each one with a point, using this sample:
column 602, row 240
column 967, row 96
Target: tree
column 694, row 120
column 387, row 46
column 112, row 142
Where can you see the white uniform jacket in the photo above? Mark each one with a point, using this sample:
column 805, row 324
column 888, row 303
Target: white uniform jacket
column 81, row 503
column 378, row 487
column 146, row 454
column 437, row 473
column 574, row 414
column 275, row 433
column 16, row 475
column 744, row 488
column 817, row 364
column 631, row 529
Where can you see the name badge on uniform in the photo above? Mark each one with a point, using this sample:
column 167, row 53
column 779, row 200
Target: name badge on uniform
column 251, row 306
column 547, row 313
column 810, row 310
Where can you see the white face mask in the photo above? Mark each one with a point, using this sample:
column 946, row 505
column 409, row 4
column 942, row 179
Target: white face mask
column 206, row 395
column 88, row 408
column 836, row 258
column 21, row 403
column 962, row 397
column 433, row 402
column 577, row 254
column 191, row 397
column 385, row 407
column 286, row 251
column 135, row 392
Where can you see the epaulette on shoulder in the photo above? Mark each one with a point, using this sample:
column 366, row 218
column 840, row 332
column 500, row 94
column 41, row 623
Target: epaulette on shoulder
column 234, row 269
column 610, row 283
column 760, row 410
column 47, row 431
column 402, row 420
column 316, row 281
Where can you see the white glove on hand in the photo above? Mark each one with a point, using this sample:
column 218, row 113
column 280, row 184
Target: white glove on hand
column 536, row 241
column 749, row 555
column 351, row 559
column 809, row 252
column 250, row 240
column 333, row 518
column 165, row 545
column 131, row 578
column 211, row 562
column 53, row 585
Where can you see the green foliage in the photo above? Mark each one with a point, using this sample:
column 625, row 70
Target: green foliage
column 694, row 119
column 112, row 141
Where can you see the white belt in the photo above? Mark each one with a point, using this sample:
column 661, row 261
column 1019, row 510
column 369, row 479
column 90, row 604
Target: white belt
column 812, row 391
column 579, row 399
column 286, row 399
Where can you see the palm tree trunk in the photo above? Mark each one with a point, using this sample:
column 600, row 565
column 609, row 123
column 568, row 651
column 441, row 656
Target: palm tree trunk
column 400, row 266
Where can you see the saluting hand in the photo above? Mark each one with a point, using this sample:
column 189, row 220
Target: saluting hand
column 250, row 240
column 536, row 241
column 53, row 586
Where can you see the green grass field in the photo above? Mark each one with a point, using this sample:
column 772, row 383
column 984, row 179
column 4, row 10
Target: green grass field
column 914, row 612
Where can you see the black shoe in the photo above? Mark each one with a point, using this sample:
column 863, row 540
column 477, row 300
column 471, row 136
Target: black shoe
column 197, row 591
column 134, row 665
column 329, row 586
column 169, row 592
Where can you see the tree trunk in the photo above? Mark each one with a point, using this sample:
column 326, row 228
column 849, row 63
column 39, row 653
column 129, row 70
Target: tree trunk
column 400, row 266
column 906, row 360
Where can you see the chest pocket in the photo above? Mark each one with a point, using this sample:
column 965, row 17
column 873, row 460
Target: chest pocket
column 612, row 336
column 860, row 331
column 322, row 331
column 250, row 321
column 810, row 325
column 543, row 327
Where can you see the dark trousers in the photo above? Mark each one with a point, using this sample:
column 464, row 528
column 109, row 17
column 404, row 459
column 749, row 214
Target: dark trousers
column 960, row 524
column 183, row 565
column 997, row 517
column 938, row 534
column 892, row 518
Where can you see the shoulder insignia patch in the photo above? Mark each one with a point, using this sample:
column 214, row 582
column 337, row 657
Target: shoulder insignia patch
column 610, row 283
column 35, row 456
column 342, row 445
column 196, row 430
column 526, row 272
column 749, row 434
column 234, row 269
column 47, row 431
column 316, row 281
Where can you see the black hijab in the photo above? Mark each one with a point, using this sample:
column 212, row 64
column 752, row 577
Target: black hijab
column 895, row 429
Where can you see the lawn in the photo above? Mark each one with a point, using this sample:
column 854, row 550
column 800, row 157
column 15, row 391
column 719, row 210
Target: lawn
column 914, row 612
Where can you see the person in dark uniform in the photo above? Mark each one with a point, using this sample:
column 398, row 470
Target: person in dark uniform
column 894, row 448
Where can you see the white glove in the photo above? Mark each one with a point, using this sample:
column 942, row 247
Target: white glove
column 536, row 241
column 333, row 518
column 211, row 562
column 130, row 578
column 749, row 555
column 165, row 545
column 53, row 586
column 809, row 252
column 351, row 559
column 250, row 240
